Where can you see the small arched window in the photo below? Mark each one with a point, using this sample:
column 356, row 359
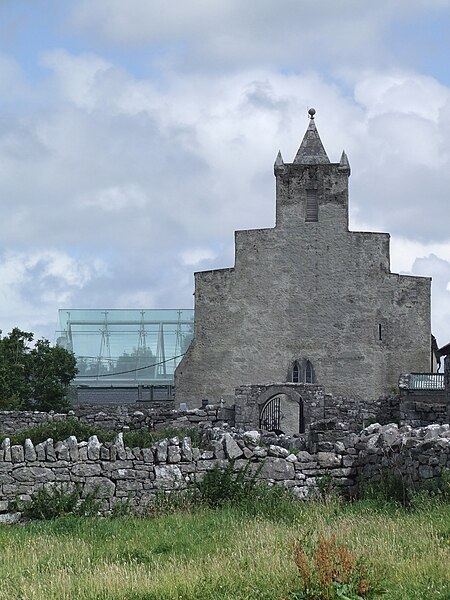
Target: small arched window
column 301, row 371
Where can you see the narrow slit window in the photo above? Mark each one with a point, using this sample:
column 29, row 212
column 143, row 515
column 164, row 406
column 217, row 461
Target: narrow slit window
column 308, row 372
column 312, row 206
column 301, row 418
column 380, row 332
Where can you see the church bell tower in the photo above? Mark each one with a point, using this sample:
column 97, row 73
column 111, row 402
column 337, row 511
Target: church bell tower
column 311, row 191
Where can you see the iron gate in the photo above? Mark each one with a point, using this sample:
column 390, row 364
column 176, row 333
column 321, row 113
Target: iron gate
column 271, row 415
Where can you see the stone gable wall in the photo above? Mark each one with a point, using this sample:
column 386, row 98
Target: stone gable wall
column 115, row 473
column 306, row 291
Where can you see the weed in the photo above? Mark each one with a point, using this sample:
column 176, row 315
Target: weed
column 122, row 508
column 326, row 487
column 219, row 487
column 331, row 571
column 58, row 501
column 393, row 389
column 395, row 488
column 57, row 430
column 143, row 438
column 389, row 488
column 61, row 430
column 174, row 502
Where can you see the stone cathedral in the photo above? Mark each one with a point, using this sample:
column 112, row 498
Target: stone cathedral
column 307, row 301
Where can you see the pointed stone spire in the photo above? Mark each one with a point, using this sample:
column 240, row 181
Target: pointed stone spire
column 344, row 165
column 279, row 162
column 311, row 151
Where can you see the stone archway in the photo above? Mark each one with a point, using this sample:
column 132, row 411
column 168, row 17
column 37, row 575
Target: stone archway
column 298, row 404
column 281, row 410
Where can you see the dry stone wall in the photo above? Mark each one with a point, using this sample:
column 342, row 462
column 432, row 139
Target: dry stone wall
column 424, row 407
column 358, row 413
column 421, row 407
column 120, row 418
column 353, row 413
column 417, row 455
column 115, row 473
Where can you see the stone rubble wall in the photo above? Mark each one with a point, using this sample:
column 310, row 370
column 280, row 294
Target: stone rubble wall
column 422, row 407
column 12, row 421
column 417, row 455
column 116, row 473
column 250, row 399
column 122, row 418
column 357, row 413
column 317, row 406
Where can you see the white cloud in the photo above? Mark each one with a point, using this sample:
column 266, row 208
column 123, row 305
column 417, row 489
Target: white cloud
column 154, row 173
column 294, row 34
column 427, row 260
column 439, row 270
column 405, row 251
column 115, row 199
column 36, row 284
column 194, row 256
column 401, row 92
column 77, row 76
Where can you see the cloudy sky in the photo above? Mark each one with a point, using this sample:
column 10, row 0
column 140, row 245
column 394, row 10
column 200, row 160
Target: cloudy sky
column 137, row 135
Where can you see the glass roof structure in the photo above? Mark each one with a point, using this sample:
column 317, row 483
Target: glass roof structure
column 126, row 347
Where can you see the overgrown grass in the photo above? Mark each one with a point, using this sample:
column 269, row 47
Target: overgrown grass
column 61, row 430
column 395, row 487
column 229, row 553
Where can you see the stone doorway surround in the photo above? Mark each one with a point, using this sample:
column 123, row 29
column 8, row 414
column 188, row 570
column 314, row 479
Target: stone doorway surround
column 250, row 400
column 283, row 415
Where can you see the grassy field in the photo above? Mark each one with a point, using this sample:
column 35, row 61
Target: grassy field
column 228, row 553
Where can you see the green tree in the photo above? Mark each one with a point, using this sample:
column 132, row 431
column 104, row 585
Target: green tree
column 36, row 377
column 15, row 382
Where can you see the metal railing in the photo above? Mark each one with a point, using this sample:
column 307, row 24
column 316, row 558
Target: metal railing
column 426, row 381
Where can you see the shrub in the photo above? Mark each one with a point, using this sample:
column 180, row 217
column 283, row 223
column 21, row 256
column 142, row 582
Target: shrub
column 122, row 508
column 59, row 501
column 178, row 501
column 326, row 488
column 224, row 486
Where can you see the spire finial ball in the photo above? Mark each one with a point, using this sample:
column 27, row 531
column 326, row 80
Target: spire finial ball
column 311, row 112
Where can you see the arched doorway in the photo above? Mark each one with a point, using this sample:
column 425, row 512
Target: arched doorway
column 282, row 413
